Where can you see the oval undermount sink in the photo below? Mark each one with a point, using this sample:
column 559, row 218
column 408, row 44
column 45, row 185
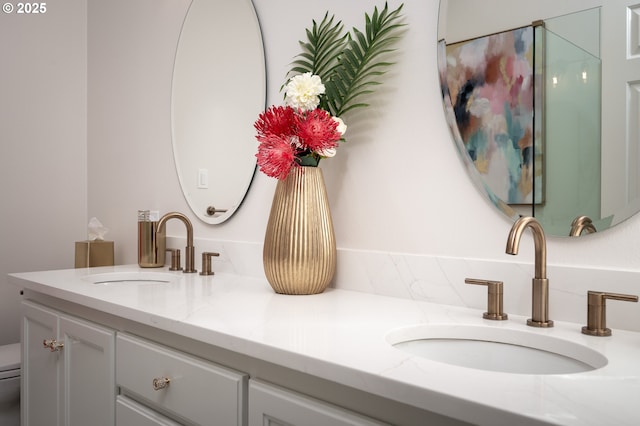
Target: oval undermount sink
column 133, row 277
column 496, row 349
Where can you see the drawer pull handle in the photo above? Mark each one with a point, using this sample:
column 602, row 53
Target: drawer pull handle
column 161, row 383
column 53, row 345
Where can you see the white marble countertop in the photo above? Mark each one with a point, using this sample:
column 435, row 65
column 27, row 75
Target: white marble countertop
column 341, row 336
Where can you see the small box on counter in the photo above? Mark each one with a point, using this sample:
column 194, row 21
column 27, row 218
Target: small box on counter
column 94, row 253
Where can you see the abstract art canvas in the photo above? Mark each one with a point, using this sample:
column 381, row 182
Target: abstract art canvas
column 490, row 81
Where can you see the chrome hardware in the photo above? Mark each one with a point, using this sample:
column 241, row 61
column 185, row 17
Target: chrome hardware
column 175, row 259
column 213, row 211
column 494, row 298
column 190, row 249
column 206, row 262
column 161, row 383
column 540, row 283
column 597, row 311
column 582, row 223
column 53, row 345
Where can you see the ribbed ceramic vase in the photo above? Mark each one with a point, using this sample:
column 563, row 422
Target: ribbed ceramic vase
column 299, row 252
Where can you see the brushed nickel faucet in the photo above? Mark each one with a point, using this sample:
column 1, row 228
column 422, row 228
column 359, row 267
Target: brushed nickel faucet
column 190, row 249
column 540, row 291
column 597, row 311
column 206, row 262
column 494, row 298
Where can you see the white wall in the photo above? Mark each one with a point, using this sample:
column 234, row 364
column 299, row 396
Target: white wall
column 385, row 185
column 43, row 180
column 396, row 186
column 130, row 62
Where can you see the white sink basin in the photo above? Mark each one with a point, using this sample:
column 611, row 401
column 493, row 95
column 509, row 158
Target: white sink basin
column 133, row 277
column 496, row 349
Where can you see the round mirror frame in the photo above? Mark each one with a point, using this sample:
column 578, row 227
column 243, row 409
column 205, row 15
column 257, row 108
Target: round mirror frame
column 218, row 90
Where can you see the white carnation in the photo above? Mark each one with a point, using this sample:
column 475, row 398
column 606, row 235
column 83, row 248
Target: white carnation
column 327, row 152
column 303, row 91
column 342, row 128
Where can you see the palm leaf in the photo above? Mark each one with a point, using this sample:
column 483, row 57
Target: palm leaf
column 320, row 54
column 360, row 64
column 348, row 65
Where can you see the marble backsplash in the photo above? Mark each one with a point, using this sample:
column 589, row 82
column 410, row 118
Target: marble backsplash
column 441, row 280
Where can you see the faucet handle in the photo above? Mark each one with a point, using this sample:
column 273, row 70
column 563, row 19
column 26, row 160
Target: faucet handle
column 597, row 311
column 494, row 298
column 175, row 259
column 206, row 262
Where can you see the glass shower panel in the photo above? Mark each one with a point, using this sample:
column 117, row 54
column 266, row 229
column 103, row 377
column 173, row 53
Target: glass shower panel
column 568, row 149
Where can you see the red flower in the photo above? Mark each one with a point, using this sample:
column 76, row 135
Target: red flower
column 317, row 130
column 278, row 121
column 275, row 155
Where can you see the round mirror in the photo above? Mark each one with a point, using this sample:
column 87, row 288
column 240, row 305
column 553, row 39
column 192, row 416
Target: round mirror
column 543, row 101
column 219, row 88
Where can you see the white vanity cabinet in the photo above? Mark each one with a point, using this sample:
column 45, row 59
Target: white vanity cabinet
column 190, row 389
column 70, row 381
column 116, row 370
column 271, row 405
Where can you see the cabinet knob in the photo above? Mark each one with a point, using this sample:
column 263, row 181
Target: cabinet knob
column 161, row 383
column 597, row 311
column 53, row 345
column 494, row 298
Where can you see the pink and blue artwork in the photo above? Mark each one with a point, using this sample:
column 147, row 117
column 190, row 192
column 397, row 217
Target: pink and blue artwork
column 490, row 81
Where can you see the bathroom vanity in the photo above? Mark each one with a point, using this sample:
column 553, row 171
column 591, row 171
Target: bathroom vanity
column 129, row 346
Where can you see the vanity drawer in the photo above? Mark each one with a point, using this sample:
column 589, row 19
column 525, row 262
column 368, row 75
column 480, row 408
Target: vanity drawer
column 272, row 405
column 129, row 412
column 198, row 391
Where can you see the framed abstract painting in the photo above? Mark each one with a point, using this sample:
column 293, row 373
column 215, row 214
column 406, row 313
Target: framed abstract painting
column 490, row 82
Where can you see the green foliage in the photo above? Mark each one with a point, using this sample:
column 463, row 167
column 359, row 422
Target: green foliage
column 325, row 44
column 348, row 64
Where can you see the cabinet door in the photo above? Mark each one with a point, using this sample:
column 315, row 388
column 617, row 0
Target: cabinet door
column 73, row 384
column 88, row 373
column 130, row 413
column 40, row 382
column 271, row 405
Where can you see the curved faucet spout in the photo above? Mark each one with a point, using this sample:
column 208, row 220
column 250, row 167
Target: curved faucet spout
column 190, row 249
column 582, row 223
column 539, row 240
column 540, row 283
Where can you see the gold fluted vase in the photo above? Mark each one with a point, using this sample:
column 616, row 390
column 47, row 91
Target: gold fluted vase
column 299, row 252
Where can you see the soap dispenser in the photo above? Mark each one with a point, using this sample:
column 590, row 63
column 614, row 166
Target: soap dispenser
column 151, row 243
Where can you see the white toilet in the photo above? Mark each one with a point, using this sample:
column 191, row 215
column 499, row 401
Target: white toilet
column 10, row 385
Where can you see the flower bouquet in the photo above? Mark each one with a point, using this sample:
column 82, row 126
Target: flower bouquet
column 328, row 78
column 334, row 70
